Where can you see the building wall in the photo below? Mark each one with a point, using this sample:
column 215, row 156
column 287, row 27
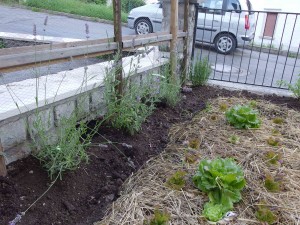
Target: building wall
column 287, row 28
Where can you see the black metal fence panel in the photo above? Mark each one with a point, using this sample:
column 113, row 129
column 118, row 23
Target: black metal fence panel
column 250, row 47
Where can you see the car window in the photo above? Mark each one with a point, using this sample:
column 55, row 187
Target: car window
column 212, row 6
column 234, row 5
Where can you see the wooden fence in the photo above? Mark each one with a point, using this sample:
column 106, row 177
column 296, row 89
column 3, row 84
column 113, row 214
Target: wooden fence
column 18, row 58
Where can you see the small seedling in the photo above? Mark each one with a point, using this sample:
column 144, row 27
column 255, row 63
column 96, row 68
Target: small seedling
column 264, row 214
column 234, row 139
column 278, row 120
column 159, row 218
column 271, row 184
column 273, row 158
column 214, row 117
column 208, row 107
column 191, row 158
column 275, row 142
column 176, row 181
column 223, row 107
column 194, row 144
column 275, row 132
column 253, row 103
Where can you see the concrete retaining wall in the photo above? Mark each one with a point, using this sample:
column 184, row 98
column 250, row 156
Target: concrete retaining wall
column 89, row 103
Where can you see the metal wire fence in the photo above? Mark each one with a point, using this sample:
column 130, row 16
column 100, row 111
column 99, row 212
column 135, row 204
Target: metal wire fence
column 258, row 48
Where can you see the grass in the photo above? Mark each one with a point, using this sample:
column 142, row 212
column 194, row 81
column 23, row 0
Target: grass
column 76, row 7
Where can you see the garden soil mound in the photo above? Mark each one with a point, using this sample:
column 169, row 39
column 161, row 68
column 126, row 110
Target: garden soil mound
column 147, row 191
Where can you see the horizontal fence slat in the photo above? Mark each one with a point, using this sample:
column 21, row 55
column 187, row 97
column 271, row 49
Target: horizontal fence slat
column 22, row 57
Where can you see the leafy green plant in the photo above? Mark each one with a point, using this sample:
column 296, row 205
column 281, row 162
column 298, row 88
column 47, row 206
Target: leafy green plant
column 294, row 88
column 271, row 184
column 159, row 218
column 264, row 214
column 243, row 117
column 176, row 181
column 200, row 72
column 234, row 139
column 222, row 180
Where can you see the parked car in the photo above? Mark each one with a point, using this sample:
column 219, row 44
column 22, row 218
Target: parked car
column 227, row 24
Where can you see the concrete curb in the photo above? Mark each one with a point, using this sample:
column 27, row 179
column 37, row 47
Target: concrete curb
column 271, row 51
column 74, row 16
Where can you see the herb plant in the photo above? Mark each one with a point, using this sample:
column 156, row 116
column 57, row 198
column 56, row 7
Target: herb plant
column 243, row 117
column 200, row 72
column 222, row 180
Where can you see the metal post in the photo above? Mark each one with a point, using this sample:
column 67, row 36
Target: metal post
column 195, row 30
column 118, row 39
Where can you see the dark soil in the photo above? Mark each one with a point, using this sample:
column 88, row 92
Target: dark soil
column 82, row 197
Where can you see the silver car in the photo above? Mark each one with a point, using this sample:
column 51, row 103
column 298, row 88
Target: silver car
column 227, row 24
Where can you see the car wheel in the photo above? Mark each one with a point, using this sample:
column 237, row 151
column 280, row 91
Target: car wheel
column 143, row 26
column 225, row 43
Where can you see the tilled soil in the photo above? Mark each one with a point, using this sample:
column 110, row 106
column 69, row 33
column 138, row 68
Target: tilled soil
column 83, row 196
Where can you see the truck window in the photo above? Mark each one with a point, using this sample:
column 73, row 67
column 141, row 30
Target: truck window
column 212, row 6
column 234, row 5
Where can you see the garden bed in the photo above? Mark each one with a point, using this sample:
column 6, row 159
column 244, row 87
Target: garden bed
column 84, row 195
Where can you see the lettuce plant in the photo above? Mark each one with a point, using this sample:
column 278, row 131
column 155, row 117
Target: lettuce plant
column 222, row 180
column 243, row 117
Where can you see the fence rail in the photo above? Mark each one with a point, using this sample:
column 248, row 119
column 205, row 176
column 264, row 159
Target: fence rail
column 23, row 57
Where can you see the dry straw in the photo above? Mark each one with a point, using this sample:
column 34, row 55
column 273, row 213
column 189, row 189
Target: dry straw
column 146, row 190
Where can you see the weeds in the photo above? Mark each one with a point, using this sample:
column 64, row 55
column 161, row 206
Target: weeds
column 294, row 88
column 200, row 72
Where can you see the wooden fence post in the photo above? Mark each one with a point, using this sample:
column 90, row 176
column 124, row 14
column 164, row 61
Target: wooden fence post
column 173, row 46
column 3, row 171
column 118, row 39
column 185, row 67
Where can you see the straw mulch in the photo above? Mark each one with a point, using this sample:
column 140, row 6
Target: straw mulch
column 146, row 190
